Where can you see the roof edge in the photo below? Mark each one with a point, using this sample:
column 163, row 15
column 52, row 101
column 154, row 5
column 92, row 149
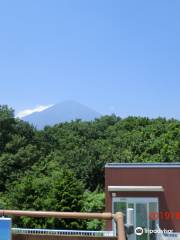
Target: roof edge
column 135, row 188
column 143, row 165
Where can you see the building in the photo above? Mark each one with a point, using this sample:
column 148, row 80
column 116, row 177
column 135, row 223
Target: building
column 151, row 189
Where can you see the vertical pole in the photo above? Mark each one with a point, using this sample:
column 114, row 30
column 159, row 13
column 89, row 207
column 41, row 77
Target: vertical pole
column 118, row 217
column 5, row 228
column 130, row 216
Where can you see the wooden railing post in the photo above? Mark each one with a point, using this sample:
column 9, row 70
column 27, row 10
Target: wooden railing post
column 118, row 217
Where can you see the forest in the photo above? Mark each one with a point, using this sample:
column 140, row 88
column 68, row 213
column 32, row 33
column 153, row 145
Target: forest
column 61, row 168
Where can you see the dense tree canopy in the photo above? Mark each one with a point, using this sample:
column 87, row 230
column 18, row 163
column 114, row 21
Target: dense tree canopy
column 50, row 169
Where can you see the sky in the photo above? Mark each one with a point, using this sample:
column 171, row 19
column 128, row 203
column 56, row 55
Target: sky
column 115, row 56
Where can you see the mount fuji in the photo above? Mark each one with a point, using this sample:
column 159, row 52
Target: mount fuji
column 61, row 112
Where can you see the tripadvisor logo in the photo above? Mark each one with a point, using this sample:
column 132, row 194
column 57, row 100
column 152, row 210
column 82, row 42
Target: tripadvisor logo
column 139, row 231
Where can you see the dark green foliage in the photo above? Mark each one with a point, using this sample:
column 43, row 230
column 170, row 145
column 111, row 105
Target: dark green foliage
column 94, row 202
column 49, row 188
column 6, row 126
column 49, row 169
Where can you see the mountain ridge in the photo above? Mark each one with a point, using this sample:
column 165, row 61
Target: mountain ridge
column 65, row 111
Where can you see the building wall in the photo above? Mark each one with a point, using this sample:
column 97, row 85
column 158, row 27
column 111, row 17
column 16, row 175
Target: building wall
column 169, row 200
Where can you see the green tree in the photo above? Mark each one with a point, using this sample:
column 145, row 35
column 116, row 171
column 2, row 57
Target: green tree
column 50, row 189
column 6, row 125
column 94, row 202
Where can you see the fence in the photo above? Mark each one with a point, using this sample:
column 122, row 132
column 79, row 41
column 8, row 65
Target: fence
column 62, row 232
column 38, row 234
column 167, row 236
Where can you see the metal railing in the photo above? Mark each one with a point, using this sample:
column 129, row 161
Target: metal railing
column 172, row 236
column 167, row 236
column 160, row 235
column 62, row 232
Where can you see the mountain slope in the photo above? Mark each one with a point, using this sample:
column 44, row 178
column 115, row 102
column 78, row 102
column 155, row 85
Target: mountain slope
column 62, row 112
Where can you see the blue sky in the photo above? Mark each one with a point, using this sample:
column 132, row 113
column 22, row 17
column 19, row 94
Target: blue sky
column 114, row 56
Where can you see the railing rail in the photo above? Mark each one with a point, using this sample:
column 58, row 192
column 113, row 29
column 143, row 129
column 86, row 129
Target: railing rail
column 46, row 214
column 167, row 236
column 63, row 232
column 160, row 235
column 118, row 217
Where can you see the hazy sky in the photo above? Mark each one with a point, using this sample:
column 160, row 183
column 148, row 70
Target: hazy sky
column 114, row 56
